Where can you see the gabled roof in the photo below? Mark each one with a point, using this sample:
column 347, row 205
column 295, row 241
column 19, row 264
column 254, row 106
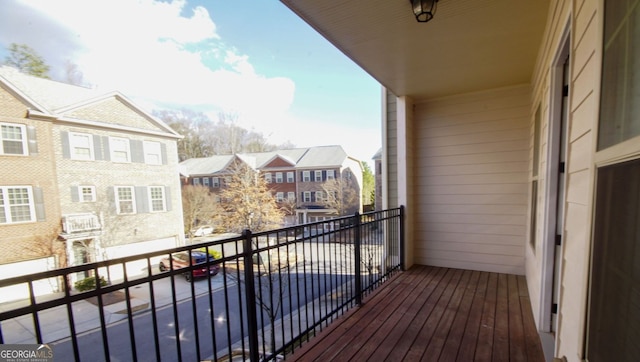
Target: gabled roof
column 205, row 165
column 49, row 95
column 303, row 158
column 323, row 156
column 52, row 99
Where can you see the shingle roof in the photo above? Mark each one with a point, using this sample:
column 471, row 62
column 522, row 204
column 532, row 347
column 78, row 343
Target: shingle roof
column 304, row 158
column 55, row 98
column 47, row 93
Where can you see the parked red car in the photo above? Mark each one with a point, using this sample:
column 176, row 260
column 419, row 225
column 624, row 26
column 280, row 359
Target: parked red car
column 181, row 260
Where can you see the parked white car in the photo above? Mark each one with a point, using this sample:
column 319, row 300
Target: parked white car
column 203, row 230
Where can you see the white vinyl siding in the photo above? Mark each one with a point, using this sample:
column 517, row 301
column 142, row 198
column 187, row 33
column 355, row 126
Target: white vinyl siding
column 13, row 139
column 472, row 197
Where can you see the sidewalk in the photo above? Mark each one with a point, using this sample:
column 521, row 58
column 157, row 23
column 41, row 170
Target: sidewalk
column 54, row 321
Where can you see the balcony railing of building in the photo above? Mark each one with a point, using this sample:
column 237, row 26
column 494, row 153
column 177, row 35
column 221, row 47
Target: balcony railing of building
column 259, row 297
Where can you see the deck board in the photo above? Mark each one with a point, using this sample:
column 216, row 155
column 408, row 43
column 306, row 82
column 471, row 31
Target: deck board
column 434, row 314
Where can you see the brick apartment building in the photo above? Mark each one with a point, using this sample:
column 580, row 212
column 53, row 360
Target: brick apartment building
column 86, row 175
column 295, row 177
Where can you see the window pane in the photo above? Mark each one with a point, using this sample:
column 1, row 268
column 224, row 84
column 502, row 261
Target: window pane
column 12, row 140
column 157, row 199
column 614, row 310
column 19, row 204
column 125, row 200
column 81, row 146
column 152, row 153
column 620, row 95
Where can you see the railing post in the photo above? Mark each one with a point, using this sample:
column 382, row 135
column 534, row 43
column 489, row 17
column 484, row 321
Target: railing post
column 250, row 293
column 357, row 242
column 402, row 236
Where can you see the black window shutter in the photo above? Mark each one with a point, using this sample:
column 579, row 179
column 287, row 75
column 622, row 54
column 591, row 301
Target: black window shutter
column 163, row 153
column 75, row 197
column 167, row 197
column 137, row 151
column 106, row 155
column 142, row 200
column 64, row 140
column 97, row 148
column 32, row 140
column 324, row 175
column 38, row 200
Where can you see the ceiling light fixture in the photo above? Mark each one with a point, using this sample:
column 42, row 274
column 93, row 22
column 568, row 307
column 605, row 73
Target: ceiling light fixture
column 424, row 10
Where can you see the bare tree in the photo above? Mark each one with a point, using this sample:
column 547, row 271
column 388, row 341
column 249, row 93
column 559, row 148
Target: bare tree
column 341, row 195
column 247, row 202
column 197, row 205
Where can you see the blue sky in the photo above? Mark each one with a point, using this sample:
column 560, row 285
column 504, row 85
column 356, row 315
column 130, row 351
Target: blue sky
column 253, row 58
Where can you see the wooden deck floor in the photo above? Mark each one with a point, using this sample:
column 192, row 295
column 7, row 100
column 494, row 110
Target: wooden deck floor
column 434, row 314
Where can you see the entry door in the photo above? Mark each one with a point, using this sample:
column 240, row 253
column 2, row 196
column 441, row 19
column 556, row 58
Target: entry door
column 560, row 191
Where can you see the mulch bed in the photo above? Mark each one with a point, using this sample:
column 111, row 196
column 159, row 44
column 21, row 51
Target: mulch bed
column 109, row 298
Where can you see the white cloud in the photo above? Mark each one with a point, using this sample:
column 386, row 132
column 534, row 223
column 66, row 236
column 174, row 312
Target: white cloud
column 152, row 53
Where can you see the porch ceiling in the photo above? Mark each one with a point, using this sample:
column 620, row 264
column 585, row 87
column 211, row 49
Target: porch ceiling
column 470, row 45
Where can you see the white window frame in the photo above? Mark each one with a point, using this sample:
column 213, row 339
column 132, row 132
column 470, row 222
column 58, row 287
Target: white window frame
column 91, row 192
column 205, row 181
column 162, row 198
column 119, row 149
column 23, row 139
column 306, row 176
column 75, row 145
column 291, row 196
column 196, row 181
column 319, row 196
column 307, row 196
column 317, row 176
column 331, row 174
column 279, row 196
column 290, row 177
column 215, row 181
column 6, row 206
column 279, row 178
column 267, row 177
column 119, row 201
column 152, row 152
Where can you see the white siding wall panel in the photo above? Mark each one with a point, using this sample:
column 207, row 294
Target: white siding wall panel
column 581, row 174
column 471, row 180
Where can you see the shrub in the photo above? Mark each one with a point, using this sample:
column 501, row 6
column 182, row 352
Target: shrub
column 88, row 283
column 214, row 253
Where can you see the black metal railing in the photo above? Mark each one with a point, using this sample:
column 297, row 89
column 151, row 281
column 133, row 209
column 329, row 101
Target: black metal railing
column 259, row 297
